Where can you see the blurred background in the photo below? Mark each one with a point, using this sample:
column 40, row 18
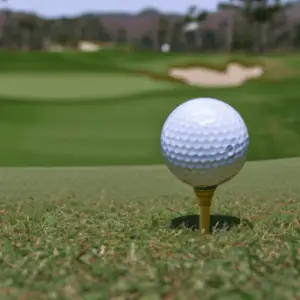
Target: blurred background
column 91, row 83
column 237, row 25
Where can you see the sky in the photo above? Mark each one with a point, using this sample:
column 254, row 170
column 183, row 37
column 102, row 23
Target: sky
column 56, row 8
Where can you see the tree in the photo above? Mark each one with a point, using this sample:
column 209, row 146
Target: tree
column 63, row 39
column 296, row 40
column 3, row 17
column 193, row 29
column 163, row 31
column 209, row 39
column 122, row 37
column 147, row 42
column 259, row 13
column 28, row 24
column 229, row 25
column 175, row 39
column 46, row 30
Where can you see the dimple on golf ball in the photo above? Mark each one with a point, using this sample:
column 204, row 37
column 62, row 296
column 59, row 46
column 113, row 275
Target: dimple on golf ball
column 204, row 142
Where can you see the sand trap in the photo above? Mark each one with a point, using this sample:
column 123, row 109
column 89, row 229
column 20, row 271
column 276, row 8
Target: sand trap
column 234, row 75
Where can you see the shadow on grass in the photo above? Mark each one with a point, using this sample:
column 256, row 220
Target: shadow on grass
column 217, row 222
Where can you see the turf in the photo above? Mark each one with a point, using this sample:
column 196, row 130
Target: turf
column 76, row 86
column 126, row 130
column 103, row 233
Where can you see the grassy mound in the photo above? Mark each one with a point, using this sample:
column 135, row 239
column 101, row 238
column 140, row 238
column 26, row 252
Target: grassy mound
column 93, row 233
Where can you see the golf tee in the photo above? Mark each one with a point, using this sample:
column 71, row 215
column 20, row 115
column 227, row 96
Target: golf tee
column 204, row 199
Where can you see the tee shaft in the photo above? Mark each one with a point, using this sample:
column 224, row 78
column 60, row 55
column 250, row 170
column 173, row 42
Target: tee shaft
column 204, row 200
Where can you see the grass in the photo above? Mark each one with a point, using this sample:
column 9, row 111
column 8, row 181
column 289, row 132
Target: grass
column 118, row 108
column 103, row 233
column 74, row 86
column 89, row 233
column 125, row 130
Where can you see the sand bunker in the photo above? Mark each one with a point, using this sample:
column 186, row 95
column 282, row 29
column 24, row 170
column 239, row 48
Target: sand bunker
column 234, row 75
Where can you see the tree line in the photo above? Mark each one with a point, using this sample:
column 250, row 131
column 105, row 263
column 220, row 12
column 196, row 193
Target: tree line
column 251, row 25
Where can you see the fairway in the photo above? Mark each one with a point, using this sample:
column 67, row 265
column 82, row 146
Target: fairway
column 103, row 233
column 76, row 86
column 107, row 108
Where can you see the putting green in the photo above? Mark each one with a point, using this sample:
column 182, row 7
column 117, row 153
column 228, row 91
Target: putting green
column 74, row 86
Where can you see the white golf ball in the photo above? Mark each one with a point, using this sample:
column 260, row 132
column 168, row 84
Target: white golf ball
column 165, row 48
column 204, row 142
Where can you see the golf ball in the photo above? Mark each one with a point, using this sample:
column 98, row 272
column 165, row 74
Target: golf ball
column 165, row 48
column 204, row 142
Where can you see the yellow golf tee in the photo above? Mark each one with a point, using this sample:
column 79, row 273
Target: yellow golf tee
column 204, row 199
